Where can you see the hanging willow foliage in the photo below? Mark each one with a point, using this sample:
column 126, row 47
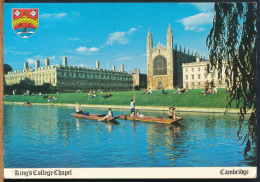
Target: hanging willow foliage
column 232, row 45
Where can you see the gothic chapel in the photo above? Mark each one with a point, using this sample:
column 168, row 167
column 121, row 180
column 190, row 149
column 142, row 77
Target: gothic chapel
column 164, row 64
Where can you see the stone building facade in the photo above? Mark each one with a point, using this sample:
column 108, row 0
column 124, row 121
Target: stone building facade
column 196, row 75
column 164, row 63
column 139, row 80
column 72, row 78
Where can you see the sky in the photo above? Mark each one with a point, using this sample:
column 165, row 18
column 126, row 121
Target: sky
column 113, row 33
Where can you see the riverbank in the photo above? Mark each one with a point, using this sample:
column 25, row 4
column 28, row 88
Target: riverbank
column 154, row 108
column 193, row 101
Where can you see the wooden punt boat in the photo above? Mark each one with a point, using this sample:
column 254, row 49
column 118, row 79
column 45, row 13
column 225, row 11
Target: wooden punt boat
column 95, row 117
column 150, row 119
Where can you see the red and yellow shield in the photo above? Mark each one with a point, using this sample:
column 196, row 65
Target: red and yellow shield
column 25, row 21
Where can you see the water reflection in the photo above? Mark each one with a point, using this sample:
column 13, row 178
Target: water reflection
column 47, row 136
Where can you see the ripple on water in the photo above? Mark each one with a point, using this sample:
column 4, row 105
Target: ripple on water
column 47, row 136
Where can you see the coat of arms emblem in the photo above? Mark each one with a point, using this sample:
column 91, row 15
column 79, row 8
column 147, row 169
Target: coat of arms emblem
column 25, row 21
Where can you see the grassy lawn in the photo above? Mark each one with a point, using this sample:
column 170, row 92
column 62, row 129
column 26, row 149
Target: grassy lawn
column 194, row 98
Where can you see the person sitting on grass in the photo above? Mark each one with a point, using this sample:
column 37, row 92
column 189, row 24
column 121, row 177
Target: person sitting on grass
column 104, row 96
column 214, row 91
column 92, row 96
column 182, row 90
column 110, row 95
column 178, row 91
column 227, row 89
column 164, row 92
column 90, row 92
column 172, row 114
column 150, row 91
column 138, row 114
column 187, row 89
column 109, row 115
column 207, row 91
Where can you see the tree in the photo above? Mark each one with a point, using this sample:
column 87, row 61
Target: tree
column 232, row 44
column 7, row 68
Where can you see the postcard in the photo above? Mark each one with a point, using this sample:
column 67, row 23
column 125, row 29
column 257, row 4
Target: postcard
column 129, row 90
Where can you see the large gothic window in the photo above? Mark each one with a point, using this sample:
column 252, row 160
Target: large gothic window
column 160, row 66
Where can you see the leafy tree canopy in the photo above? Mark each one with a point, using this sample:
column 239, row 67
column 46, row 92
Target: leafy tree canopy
column 232, row 44
column 7, row 68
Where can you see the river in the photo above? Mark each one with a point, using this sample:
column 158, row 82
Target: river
column 48, row 137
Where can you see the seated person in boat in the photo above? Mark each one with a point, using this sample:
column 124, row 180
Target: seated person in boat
column 138, row 114
column 171, row 113
column 132, row 113
column 27, row 104
column 79, row 109
column 109, row 115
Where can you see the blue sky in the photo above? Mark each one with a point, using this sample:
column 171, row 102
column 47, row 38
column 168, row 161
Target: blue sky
column 113, row 33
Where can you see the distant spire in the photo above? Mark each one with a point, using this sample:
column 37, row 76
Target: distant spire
column 176, row 47
column 169, row 31
column 188, row 52
column 180, row 48
column 149, row 32
column 184, row 50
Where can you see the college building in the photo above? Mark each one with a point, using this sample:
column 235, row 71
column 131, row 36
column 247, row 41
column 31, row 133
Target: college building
column 66, row 78
column 168, row 67
column 196, row 75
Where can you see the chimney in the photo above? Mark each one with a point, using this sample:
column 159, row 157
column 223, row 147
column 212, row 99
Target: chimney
column 197, row 59
column 129, row 72
column 113, row 68
column 122, row 68
column 47, row 62
column 134, row 70
column 37, row 64
column 65, row 61
column 138, row 71
column 97, row 64
column 26, row 65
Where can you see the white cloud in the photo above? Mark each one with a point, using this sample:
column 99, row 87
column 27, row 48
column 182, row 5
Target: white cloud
column 93, row 49
column 123, row 58
column 81, row 49
column 120, row 37
column 85, row 49
column 204, row 7
column 74, row 38
column 196, row 22
column 55, row 16
column 41, row 58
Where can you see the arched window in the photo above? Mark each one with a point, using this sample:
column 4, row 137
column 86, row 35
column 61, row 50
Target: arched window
column 160, row 66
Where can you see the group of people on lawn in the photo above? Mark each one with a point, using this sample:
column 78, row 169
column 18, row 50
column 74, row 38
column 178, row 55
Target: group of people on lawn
column 209, row 88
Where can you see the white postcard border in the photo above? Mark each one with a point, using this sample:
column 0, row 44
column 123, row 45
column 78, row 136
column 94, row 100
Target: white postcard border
column 134, row 173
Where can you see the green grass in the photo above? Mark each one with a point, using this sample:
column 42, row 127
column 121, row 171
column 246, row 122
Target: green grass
column 194, row 98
